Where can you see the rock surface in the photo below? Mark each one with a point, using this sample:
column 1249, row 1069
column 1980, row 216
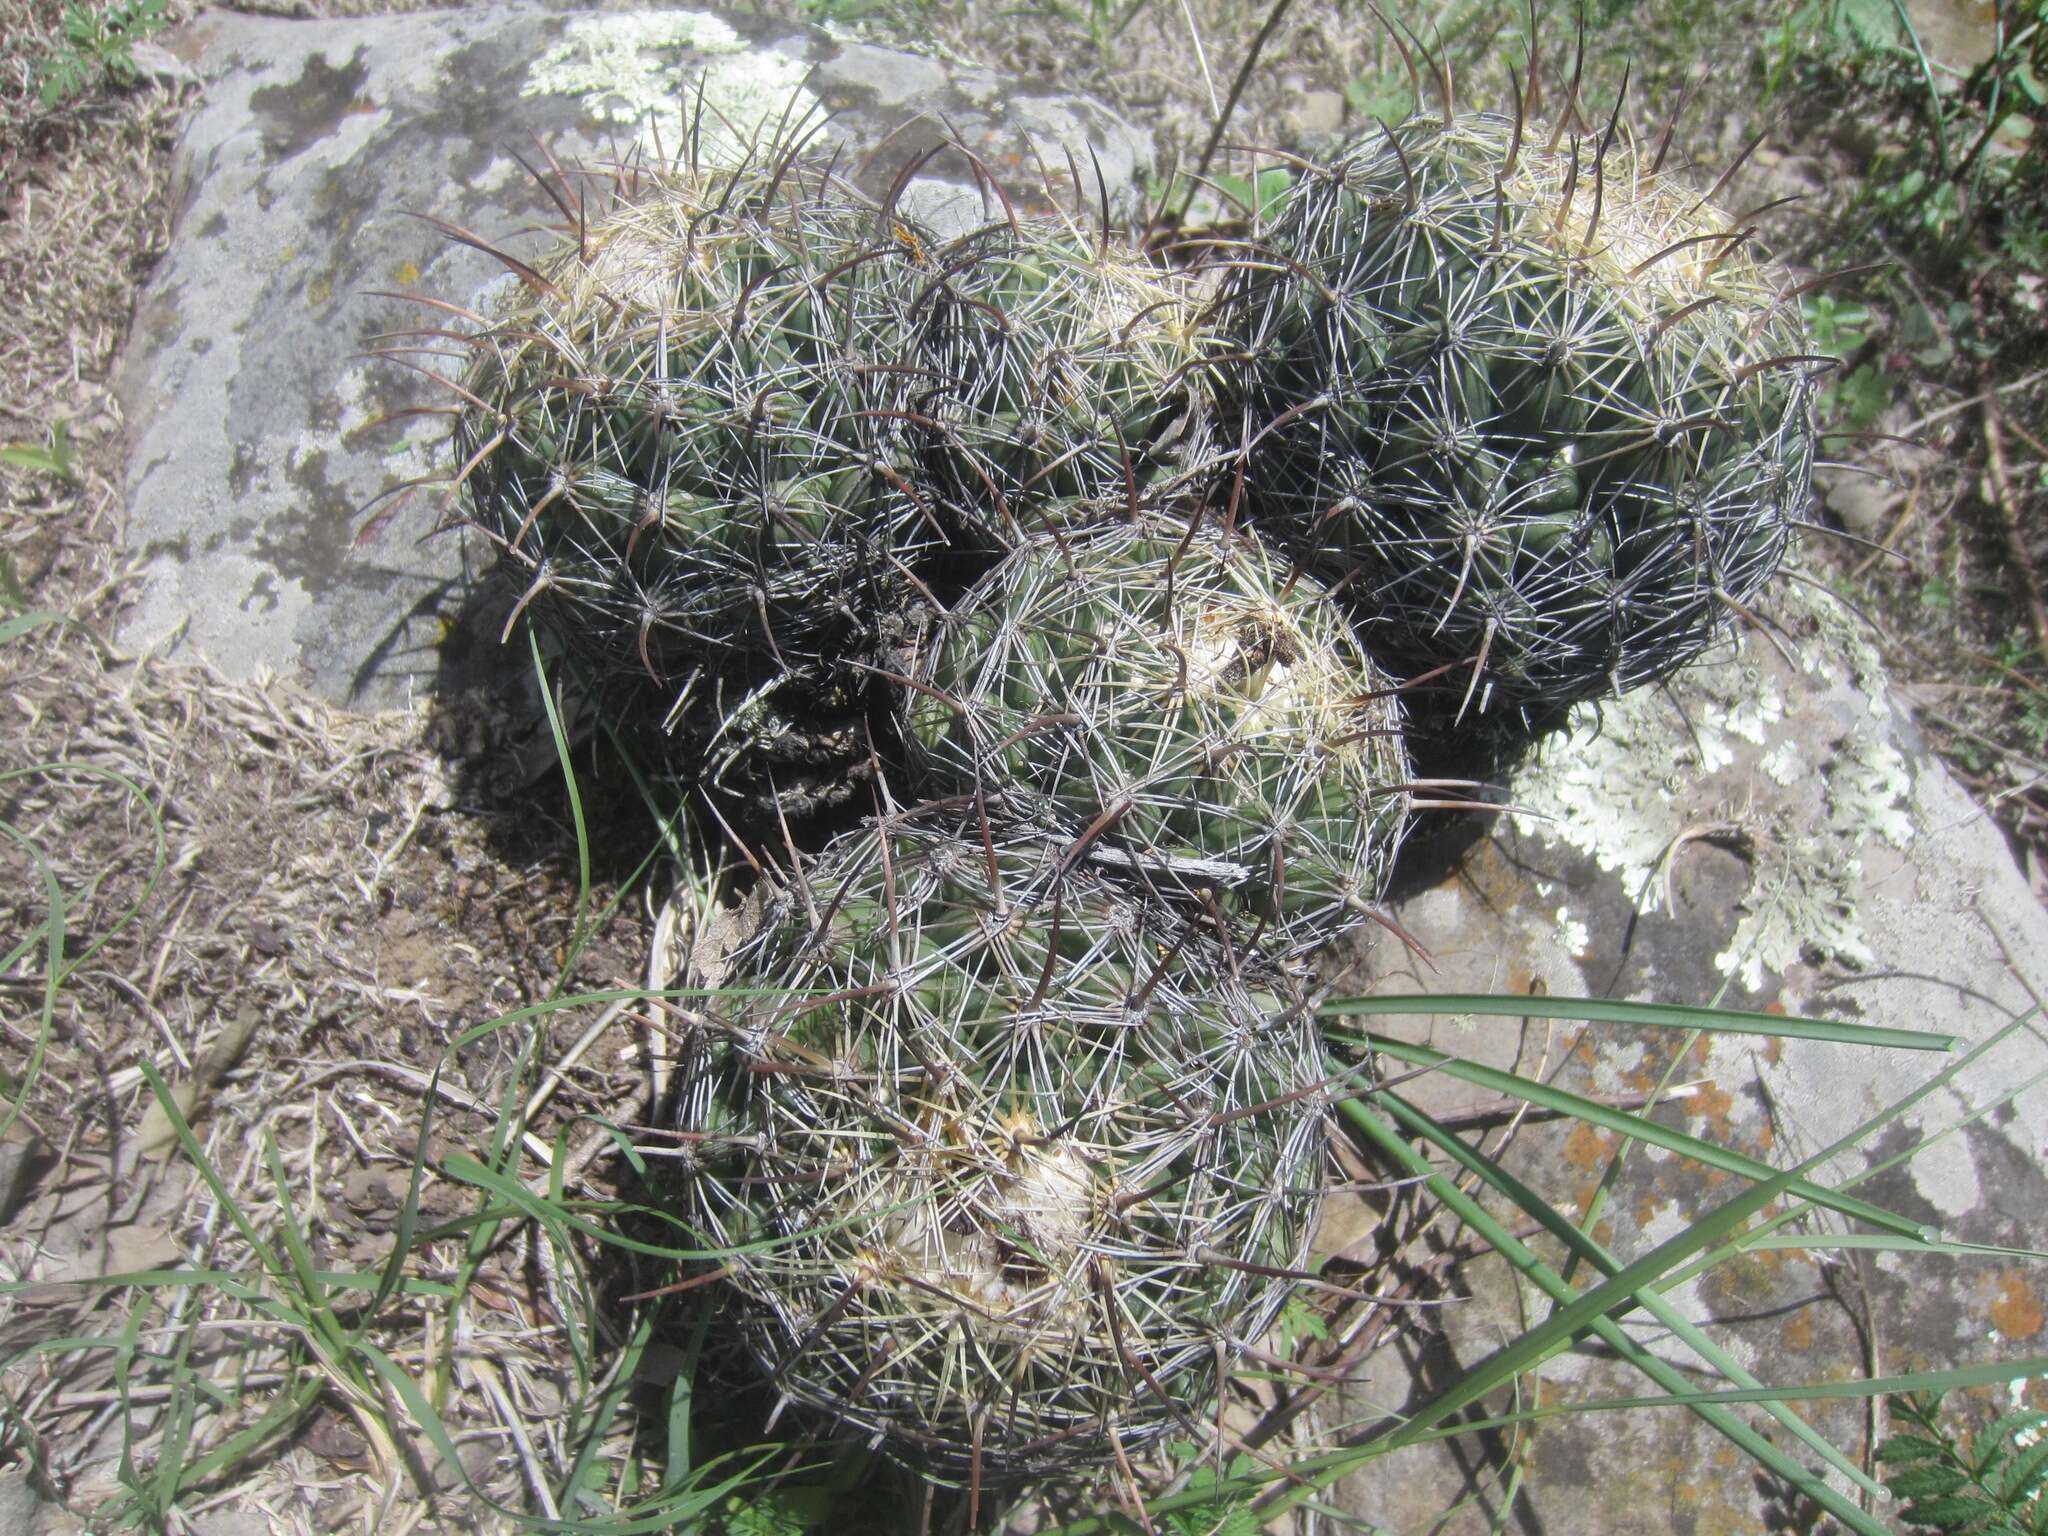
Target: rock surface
column 1771, row 835
column 261, row 438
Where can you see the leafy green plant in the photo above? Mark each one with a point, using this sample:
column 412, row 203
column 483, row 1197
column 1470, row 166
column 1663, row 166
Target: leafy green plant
column 1989, row 1483
column 98, row 44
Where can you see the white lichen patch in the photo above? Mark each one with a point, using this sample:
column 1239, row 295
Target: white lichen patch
column 1572, row 933
column 1781, row 764
column 675, row 74
column 1632, row 783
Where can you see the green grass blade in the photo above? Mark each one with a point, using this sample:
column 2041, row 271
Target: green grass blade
column 1640, row 1128
column 1871, row 1127
column 1885, row 1242
column 590, row 1437
column 578, row 935
column 1594, row 1010
column 1997, row 1373
column 277, row 1271
column 1582, row 1247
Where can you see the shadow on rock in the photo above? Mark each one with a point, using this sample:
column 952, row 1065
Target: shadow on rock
column 1476, row 761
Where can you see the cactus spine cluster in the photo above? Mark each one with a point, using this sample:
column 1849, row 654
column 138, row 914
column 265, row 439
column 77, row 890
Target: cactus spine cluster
column 1111, row 572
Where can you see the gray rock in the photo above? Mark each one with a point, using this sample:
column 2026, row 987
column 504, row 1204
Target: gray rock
column 1771, row 834
column 261, row 439
column 1865, row 504
column 1318, row 114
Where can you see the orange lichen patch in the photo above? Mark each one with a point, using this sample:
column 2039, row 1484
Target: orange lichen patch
column 1713, row 1104
column 1797, row 1334
column 1588, row 1148
column 1603, row 1232
column 1582, row 1198
column 2016, row 1310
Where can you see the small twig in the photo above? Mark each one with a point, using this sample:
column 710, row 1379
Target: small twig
column 1956, row 408
column 2009, row 513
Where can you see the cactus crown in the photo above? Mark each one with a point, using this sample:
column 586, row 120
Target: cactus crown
column 1049, row 370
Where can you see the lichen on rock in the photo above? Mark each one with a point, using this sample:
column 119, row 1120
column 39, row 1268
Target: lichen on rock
column 675, row 75
column 1801, row 773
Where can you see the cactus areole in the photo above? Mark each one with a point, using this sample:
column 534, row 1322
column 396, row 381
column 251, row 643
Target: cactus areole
column 1536, row 403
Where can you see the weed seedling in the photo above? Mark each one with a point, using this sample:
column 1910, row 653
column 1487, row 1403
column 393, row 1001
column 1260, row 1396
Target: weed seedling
column 98, row 44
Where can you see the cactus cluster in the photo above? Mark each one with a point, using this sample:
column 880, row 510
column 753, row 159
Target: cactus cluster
column 1115, row 587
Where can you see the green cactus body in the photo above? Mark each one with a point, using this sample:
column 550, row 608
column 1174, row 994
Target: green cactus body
column 673, row 442
column 1536, row 404
column 1194, row 709
column 1051, row 369
column 1006, row 1167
